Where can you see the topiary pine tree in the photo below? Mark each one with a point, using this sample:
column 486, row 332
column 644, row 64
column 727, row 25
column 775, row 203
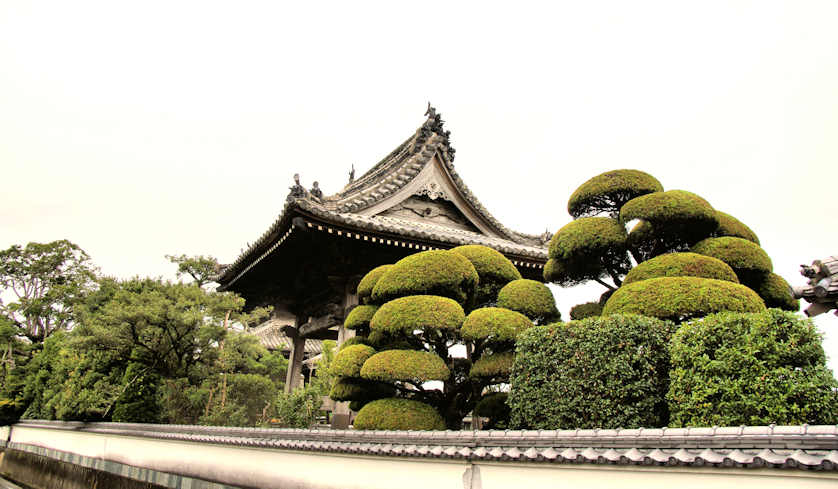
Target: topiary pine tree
column 673, row 234
column 411, row 314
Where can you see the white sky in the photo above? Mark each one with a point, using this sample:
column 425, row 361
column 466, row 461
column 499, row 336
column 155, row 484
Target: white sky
column 137, row 129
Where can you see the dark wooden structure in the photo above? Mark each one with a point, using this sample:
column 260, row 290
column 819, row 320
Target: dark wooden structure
column 308, row 263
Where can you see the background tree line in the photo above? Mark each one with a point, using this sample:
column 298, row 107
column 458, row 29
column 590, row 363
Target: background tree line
column 75, row 345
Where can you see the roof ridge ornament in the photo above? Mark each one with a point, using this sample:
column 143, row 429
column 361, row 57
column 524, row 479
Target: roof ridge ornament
column 297, row 191
column 434, row 125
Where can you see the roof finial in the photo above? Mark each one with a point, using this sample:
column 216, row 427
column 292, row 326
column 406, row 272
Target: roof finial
column 352, row 173
column 297, row 190
column 431, row 112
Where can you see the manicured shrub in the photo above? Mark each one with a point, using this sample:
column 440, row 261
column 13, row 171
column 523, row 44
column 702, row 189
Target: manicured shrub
column 747, row 259
column 353, row 389
column 423, row 312
column 680, row 298
column 348, row 361
column 586, row 310
column 531, row 298
column 601, row 372
column 731, row 369
column 359, row 317
column 494, row 407
column 586, row 249
column 495, row 365
column 493, row 269
column 609, row 191
column 435, row 272
column 398, row 414
column 775, row 291
column 730, row 226
column 355, row 340
column 405, row 365
column 367, row 283
column 681, row 265
column 494, row 325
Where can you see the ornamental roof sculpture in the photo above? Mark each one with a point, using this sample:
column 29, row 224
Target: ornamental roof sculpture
column 822, row 291
column 414, row 194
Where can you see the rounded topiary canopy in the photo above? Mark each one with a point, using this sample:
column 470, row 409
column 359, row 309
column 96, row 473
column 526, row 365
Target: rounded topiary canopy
column 493, row 269
column 359, row 317
column 585, row 310
column 607, row 192
column 672, row 221
column 367, row 283
column 587, row 249
column 348, row 361
column 407, row 314
column 435, row 272
column 355, row 340
column 351, row 389
column 730, row 226
column 407, row 365
column 494, row 324
column 681, row 265
column 492, row 366
column 398, row 414
column 747, row 259
column 679, row 298
column 775, row 291
column 531, row 298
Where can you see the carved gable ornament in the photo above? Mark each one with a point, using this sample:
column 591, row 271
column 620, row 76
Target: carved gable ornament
column 433, row 191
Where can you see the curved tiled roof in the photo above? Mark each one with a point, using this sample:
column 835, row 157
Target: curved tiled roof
column 801, row 447
column 383, row 180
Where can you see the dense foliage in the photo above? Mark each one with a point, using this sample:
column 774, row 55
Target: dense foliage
column 608, row 192
column 588, row 248
column 601, row 372
column 435, row 272
column 681, row 265
column 398, row 414
column 730, row 226
column 531, row 298
column 585, row 310
column 493, row 270
column 732, row 369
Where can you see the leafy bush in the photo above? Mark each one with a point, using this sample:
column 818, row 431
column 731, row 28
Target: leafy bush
column 298, row 409
column 747, row 259
column 353, row 389
column 730, row 226
column 241, row 400
column 494, row 325
column 733, row 369
column 348, row 362
column 398, row 414
column 367, row 283
column 355, row 340
column 407, row 365
column 601, row 372
column 493, row 270
column 494, row 406
column 609, row 191
column 586, row 310
column 435, row 272
column 775, row 291
column 492, row 366
column 139, row 402
column 418, row 312
column 587, row 249
column 681, row 265
column 531, row 298
column 359, row 317
column 680, row 298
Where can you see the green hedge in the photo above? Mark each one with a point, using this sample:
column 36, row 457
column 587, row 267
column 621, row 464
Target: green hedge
column 607, row 192
column 359, row 317
column 680, row 298
column 730, row 226
column 775, row 291
column 495, row 365
column 367, row 283
column 601, row 372
column 424, row 312
column 733, row 369
column 348, row 361
column 352, row 389
column 493, row 406
column 747, row 259
column 494, row 325
column 493, row 269
column 398, row 414
column 681, row 265
column 585, row 310
column 531, row 298
column 587, row 237
column 435, row 272
column 407, row 365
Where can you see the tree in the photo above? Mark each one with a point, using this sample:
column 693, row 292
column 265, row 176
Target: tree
column 413, row 313
column 47, row 281
column 203, row 269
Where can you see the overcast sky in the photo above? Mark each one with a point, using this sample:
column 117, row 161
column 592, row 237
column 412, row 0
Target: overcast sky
column 139, row 129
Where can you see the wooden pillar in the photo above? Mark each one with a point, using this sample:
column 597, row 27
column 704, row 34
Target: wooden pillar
column 295, row 360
